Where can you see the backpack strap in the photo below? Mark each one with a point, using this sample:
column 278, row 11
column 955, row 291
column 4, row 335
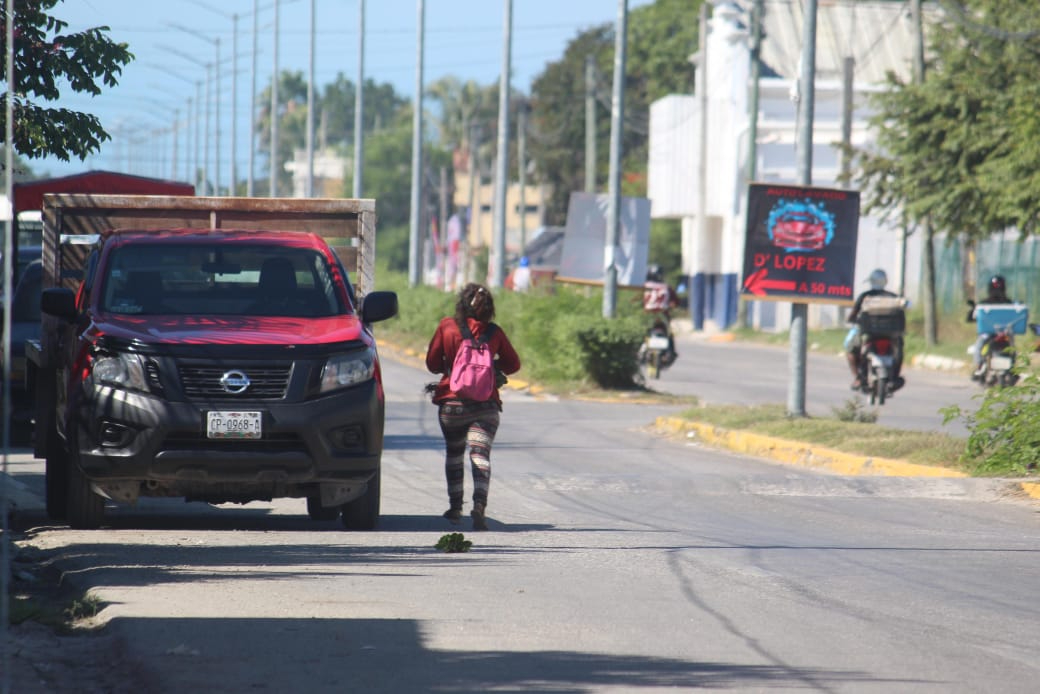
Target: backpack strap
column 467, row 334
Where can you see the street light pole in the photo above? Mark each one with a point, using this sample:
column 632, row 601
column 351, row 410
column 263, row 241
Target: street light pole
column 252, row 105
column 359, row 103
column 274, row 110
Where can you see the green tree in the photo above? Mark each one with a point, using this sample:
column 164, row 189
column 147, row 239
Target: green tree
column 958, row 152
column 388, row 179
column 47, row 60
column 334, row 104
column 661, row 38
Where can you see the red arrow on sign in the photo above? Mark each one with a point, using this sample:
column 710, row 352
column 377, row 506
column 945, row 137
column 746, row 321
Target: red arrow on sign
column 757, row 283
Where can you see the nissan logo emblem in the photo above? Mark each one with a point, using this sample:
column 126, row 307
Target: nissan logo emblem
column 234, row 382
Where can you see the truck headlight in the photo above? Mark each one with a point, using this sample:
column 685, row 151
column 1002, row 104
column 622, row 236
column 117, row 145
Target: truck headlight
column 348, row 369
column 121, row 371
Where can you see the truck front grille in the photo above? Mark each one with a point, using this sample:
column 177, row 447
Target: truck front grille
column 266, row 382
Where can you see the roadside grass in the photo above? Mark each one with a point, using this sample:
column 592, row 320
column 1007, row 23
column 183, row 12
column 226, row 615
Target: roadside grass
column 856, row 437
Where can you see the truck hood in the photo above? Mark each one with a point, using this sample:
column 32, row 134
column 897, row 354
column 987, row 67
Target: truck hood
column 193, row 330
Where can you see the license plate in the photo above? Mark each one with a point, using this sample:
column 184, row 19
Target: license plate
column 657, row 342
column 999, row 363
column 233, row 425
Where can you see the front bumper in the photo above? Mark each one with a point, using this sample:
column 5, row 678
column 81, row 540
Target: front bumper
column 133, row 436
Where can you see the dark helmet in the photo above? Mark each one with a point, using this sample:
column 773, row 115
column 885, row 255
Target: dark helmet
column 997, row 285
column 654, row 274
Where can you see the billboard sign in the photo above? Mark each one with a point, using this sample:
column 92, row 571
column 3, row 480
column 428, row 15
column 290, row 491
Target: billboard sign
column 586, row 236
column 800, row 244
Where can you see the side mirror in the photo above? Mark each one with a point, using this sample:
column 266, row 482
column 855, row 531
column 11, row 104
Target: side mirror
column 59, row 302
column 377, row 306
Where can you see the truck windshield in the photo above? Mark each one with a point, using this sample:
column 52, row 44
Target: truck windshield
column 219, row 279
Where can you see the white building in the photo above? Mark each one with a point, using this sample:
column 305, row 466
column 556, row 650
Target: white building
column 877, row 36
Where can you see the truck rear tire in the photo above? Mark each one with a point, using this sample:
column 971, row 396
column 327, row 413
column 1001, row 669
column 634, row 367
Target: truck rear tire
column 86, row 509
column 56, row 476
column 363, row 512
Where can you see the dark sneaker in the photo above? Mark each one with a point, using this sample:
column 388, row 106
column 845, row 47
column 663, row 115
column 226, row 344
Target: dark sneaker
column 856, row 385
column 454, row 515
column 479, row 523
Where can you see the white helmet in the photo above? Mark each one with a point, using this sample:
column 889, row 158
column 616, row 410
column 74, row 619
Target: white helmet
column 878, row 279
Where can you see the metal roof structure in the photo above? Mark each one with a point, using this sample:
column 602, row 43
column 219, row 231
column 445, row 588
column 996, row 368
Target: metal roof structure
column 877, row 34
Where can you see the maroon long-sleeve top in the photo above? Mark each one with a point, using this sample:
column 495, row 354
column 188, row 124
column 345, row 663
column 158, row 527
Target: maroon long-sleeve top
column 440, row 355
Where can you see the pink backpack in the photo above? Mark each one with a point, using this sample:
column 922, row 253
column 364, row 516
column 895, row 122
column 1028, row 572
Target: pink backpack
column 473, row 371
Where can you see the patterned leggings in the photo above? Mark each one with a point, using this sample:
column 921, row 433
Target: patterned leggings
column 475, row 424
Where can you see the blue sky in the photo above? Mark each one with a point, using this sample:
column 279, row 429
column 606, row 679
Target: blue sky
column 173, row 39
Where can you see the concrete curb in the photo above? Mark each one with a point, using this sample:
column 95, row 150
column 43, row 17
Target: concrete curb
column 810, row 456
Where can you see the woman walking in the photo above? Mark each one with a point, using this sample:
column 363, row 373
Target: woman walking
column 466, row 421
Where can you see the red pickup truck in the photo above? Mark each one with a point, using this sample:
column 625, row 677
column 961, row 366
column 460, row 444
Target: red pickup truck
column 218, row 365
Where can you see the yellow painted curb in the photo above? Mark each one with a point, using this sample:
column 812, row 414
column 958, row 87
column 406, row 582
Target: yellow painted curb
column 1032, row 489
column 798, row 453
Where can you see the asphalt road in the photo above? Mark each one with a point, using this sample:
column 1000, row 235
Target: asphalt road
column 617, row 561
column 747, row 373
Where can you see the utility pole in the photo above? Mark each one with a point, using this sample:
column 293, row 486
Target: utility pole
column 206, row 151
column 9, row 249
column 617, row 115
column 474, row 214
column 233, row 188
column 803, row 155
column 590, row 124
column 931, row 331
column 274, row 110
column 198, row 139
column 216, row 122
column 755, row 89
column 252, row 104
column 417, row 155
column 696, row 291
column 521, row 155
column 498, row 252
column 309, row 192
column 176, row 128
column 359, row 104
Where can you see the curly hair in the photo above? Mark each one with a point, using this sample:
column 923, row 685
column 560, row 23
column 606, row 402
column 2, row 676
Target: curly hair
column 475, row 301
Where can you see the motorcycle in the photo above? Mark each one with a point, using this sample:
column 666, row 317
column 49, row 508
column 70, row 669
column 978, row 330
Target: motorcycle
column 655, row 353
column 1000, row 322
column 882, row 322
column 998, row 360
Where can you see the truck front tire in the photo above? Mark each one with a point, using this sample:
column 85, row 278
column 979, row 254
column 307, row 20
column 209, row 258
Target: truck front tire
column 363, row 512
column 56, row 477
column 86, row 509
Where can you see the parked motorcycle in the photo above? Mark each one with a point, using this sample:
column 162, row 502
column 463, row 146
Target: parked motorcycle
column 882, row 322
column 1001, row 322
column 655, row 353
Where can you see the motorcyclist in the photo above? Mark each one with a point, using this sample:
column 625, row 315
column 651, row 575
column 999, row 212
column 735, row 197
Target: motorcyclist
column 658, row 300
column 854, row 339
column 996, row 293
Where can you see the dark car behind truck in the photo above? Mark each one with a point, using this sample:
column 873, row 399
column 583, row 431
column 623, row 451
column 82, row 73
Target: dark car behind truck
column 210, row 362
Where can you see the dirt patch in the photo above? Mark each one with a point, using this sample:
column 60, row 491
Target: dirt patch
column 55, row 643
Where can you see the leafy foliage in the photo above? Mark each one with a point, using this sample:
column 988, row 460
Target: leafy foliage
column 855, row 411
column 334, row 106
column 1004, row 433
column 560, row 337
column 962, row 148
column 45, row 60
column 453, row 543
column 661, row 36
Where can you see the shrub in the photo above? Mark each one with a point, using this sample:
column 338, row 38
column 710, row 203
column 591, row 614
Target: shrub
column 1004, row 433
